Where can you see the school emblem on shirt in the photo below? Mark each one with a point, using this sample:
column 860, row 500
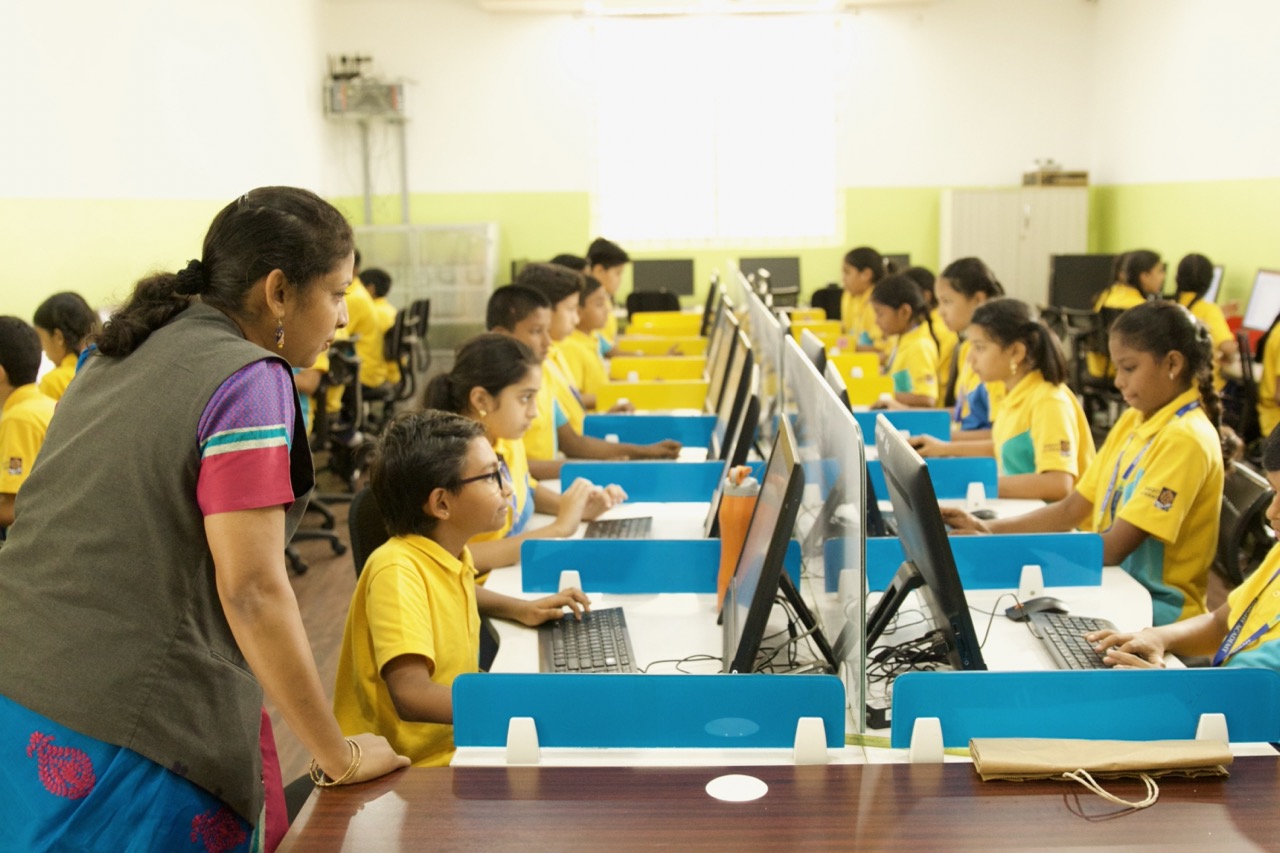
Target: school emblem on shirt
column 15, row 466
column 1065, row 449
column 1164, row 500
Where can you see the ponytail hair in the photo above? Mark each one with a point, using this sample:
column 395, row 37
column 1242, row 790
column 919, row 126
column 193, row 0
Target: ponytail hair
column 970, row 276
column 1135, row 264
column 864, row 257
column 1007, row 321
column 1160, row 328
column 1195, row 274
column 898, row 290
column 490, row 361
column 270, row 228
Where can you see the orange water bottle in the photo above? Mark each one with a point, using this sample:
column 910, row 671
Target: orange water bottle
column 737, row 502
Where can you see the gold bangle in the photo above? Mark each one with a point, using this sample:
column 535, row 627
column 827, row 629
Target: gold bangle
column 322, row 781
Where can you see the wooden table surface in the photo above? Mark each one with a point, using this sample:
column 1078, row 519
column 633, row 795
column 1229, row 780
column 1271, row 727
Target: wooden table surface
column 847, row 806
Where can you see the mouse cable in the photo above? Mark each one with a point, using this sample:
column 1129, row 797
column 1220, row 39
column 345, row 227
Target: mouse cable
column 991, row 614
column 679, row 662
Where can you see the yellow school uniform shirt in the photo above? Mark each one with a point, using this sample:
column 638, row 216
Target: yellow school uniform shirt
column 1122, row 297
column 563, row 389
column 1263, row 587
column 24, row 420
column 913, row 362
column 947, row 342
column 1041, row 428
column 976, row 401
column 1268, row 405
column 54, row 383
column 1173, row 492
column 581, row 354
column 512, row 455
column 1215, row 321
column 413, row 598
column 859, row 320
column 359, row 322
column 363, row 321
column 540, row 440
column 609, row 334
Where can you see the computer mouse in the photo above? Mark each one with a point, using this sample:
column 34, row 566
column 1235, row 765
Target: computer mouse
column 984, row 514
column 1044, row 604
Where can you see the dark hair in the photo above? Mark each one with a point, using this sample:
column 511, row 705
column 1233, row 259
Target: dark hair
column 1119, row 267
column 1163, row 327
column 970, row 276
column 590, row 284
column 510, row 304
column 863, row 258
column 1007, row 321
column 270, row 228
column 356, row 253
column 605, row 254
column 555, row 282
column 68, row 313
column 1271, row 451
column 19, row 351
column 898, row 290
column 1138, row 262
column 573, row 262
column 1195, row 274
column 490, row 361
column 925, row 279
column 376, row 281
column 418, row 453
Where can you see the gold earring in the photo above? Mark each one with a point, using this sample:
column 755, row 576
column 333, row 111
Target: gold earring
column 279, row 334
column 1171, row 375
column 483, row 413
column 1013, row 367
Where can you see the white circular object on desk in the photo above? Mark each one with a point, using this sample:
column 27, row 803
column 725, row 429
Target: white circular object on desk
column 737, row 788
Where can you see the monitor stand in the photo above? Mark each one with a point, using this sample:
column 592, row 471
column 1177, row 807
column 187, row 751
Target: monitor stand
column 809, row 622
column 905, row 581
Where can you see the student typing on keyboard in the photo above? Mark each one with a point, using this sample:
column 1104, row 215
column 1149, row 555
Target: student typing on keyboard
column 414, row 621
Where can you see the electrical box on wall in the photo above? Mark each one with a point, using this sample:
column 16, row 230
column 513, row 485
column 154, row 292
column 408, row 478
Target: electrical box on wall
column 362, row 97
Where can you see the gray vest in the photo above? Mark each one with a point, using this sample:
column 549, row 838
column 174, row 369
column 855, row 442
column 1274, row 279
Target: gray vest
column 110, row 621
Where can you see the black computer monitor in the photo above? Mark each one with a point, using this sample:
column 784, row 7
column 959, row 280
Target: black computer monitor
column 930, row 565
column 900, row 261
column 673, row 275
column 1264, row 301
column 1215, row 284
column 714, row 293
column 740, row 438
column 758, row 576
column 1074, row 280
column 784, row 273
column 814, row 349
column 719, row 362
column 737, row 387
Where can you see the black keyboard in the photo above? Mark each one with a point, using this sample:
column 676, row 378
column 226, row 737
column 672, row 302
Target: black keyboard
column 599, row 642
column 1063, row 636
column 618, row 528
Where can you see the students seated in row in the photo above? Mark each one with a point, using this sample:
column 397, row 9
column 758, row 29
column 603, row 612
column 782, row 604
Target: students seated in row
column 963, row 286
column 1041, row 441
column 1195, row 274
column 1242, row 632
column 1154, row 491
column 1140, row 278
column 25, row 411
column 606, row 262
column 64, row 323
column 942, row 333
column 912, row 361
column 581, row 349
column 414, row 621
column 861, row 270
column 526, row 314
column 495, row 381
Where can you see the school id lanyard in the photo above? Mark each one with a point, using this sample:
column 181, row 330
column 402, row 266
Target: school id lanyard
column 1111, row 500
column 1226, row 650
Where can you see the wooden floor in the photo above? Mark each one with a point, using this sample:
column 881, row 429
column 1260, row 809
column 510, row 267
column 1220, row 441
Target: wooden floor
column 324, row 593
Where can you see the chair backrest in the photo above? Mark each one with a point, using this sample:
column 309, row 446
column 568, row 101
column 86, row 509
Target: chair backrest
column 828, row 299
column 1244, row 535
column 1240, row 397
column 419, row 318
column 1103, row 321
column 652, row 300
column 364, row 523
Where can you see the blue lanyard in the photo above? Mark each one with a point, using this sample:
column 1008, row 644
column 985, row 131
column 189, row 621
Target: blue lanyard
column 1226, row 650
column 1111, row 500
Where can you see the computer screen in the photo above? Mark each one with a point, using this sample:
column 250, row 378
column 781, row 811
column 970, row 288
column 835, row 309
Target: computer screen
column 1074, row 280
column 899, row 260
column 714, row 293
column 814, row 349
column 757, row 577
column 767, row 332
column 1264, row 301
column 737, row 387
column 718, row 362
column 784, row 273
column 1215, row 285
column 930, row 565
column 673, row 275
column 734, row 452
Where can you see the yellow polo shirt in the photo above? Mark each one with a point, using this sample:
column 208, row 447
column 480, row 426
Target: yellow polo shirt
column 54, row 383
column 1120, row 296
column 913, row 362
column 413, row 598
column 24, row 420
column 858, row 319
column 1268, row 405
column 1263, row 587
column 363, row 321
column 1041, row 428
column 555, row 370
column 947, row 342
column 581, row 355
column 1216, row 322
column 540, row 441
column 1174, row 493
column 610, row 331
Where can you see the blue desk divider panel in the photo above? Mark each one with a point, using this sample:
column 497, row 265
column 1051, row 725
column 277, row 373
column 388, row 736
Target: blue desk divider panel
column 995, row 562
column 951, row 476
column 647, row 711
column 660, row 482
column 631, row 566
column 934, row 422
column 689, row 430
column 1093, row 704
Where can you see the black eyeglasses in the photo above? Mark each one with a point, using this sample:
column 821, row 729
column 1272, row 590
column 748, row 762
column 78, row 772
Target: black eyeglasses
column 498, row 476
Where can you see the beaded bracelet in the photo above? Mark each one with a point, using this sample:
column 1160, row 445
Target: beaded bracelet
column 322, row 781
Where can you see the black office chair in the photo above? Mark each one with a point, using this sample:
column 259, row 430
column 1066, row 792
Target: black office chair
column 1240, row 403
column 1244, row 535
column 651, row 300
column 339, row 432
column 828, row 299
column 1100, row 399
column 305, row 534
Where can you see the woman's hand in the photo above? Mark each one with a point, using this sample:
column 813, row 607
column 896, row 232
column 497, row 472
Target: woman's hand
column 962, row 522
column 377, row 758
column 534, row 613
column 927, row 445
column 603, row 499
column 1141, row 650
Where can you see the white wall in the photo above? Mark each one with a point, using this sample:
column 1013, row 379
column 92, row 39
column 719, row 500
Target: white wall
column 141, row 99
column 1187, row 90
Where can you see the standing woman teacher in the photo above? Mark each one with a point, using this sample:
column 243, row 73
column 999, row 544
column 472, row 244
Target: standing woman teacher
column 144, row 602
